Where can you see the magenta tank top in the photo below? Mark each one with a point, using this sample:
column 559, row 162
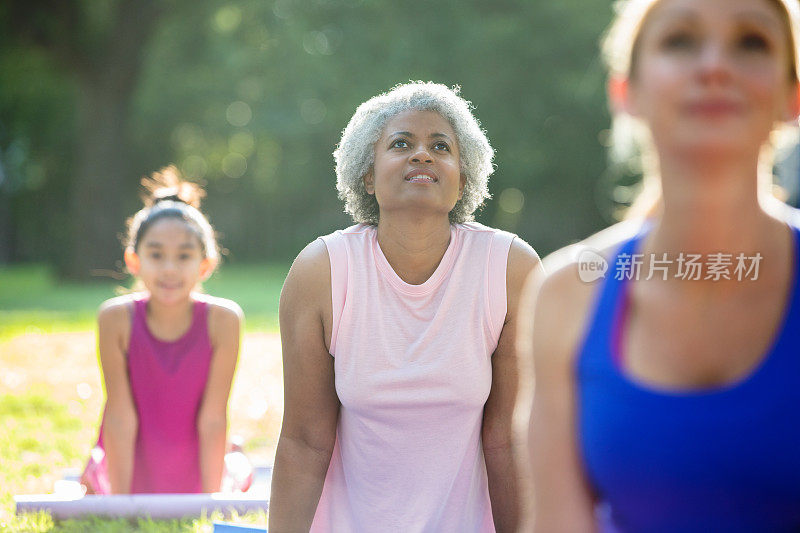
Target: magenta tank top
column 168, row 379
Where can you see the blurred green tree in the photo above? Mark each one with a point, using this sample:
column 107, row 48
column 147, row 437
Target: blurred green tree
column 98, row 47
column 249, row 96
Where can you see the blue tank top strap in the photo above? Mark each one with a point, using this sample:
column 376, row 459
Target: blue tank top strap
column 606, row 305
column 787, row 338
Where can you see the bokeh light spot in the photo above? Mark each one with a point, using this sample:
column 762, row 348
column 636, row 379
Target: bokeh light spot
column 234, row 165
column 282, row 9
column 238, row 114
column 227, row 19
column 511, row 200
column 317, row 42
column 84, row 391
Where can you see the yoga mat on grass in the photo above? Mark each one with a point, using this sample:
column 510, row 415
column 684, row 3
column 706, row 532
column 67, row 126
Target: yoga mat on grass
column 156, row 506
column 222, row 527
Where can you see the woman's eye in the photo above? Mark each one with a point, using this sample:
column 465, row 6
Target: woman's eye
column 441, row 146
column 155, row 256
column 754, row 42
column 184, row 257
column 679, row 41
column 400, row 143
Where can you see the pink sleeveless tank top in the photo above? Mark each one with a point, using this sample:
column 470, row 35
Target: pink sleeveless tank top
column 168, row 379
column 413, row 372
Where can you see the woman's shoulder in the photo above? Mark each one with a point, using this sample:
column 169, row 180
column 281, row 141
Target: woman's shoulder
column 313, row 259
column 309, row 278
column 355, row 236
column 602, row 244
column 498, row 240
column 477, row 227
column 355, row 229
column 564, row 295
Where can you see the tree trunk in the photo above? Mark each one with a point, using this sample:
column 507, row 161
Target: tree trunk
column 104, row 178
column 101, row 183
column 5, row 222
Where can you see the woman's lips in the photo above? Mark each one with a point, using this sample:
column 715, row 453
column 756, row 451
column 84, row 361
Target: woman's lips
column 421, row 176
column 714, row 108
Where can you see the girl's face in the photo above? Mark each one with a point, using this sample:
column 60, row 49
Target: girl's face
column 169, row 260
column 417, row 164
column 712, row 75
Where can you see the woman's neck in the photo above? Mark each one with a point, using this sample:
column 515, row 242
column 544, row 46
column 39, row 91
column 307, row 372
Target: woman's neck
column 711, row 205
column 414, row 247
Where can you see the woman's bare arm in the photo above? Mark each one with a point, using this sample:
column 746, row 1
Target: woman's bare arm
column 311, row 406
column 555, row 311
column 562, row 498
column 500, row 443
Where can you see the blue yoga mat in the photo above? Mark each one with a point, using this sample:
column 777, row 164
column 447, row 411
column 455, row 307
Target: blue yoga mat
column 222, row 527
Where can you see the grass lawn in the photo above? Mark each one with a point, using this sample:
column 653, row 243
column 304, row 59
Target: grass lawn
column 51, row 393
column 42, row 522
column 31, row 300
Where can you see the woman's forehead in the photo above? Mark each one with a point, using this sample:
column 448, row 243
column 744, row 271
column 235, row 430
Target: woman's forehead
column 766, row 12
column 418, row 122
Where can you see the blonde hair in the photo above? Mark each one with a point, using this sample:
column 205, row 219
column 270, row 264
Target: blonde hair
column 629, row 140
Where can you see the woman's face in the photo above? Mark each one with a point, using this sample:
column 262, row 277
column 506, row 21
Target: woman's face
column 417, row 165
column 712, row 75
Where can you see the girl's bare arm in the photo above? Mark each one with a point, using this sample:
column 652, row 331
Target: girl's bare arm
column 121, row 420
column 224, row 318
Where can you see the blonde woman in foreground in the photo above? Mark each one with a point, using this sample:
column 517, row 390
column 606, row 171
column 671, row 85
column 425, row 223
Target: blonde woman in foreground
column 667, row 390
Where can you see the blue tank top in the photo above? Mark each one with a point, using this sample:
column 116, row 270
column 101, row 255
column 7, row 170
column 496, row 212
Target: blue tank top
column 721, row 459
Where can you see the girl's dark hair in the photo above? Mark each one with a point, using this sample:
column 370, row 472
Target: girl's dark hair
column 167, row 195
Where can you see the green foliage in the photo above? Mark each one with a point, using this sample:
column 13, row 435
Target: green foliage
column 250, row 96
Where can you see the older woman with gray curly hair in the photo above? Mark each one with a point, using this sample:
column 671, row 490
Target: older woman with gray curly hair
column 398, row 335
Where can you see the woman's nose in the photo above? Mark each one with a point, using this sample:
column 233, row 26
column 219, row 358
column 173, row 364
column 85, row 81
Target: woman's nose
column 421, row 155
column 714, row 63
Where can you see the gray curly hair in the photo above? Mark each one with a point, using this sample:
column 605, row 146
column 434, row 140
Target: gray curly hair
column 355, row 153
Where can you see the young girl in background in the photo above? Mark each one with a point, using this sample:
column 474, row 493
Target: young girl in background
column 168, row 354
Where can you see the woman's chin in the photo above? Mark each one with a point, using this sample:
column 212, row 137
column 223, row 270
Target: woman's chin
column 715, row 145
column 418, row 209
